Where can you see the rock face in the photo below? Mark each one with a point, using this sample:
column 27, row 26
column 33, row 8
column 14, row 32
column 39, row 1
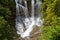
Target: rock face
column 35, row 33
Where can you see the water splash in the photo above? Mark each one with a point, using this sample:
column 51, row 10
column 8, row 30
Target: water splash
column 25, row 24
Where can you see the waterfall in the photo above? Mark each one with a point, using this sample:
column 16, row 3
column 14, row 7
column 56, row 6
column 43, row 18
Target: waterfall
column 32, row 7
column 25, row 24
column 26, row 10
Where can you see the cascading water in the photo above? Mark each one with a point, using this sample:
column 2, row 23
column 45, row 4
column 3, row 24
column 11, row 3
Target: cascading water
column 25, row 24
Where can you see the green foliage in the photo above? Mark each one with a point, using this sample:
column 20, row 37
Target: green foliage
column 50, row 33
column 57, row 10
column 4, row 12
column 48, row 8
column 51, row 28
column 5, row 28
column 6, row 9
column 2, row 22
column 7, row 3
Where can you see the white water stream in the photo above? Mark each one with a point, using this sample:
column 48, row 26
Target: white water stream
column 25, row 24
